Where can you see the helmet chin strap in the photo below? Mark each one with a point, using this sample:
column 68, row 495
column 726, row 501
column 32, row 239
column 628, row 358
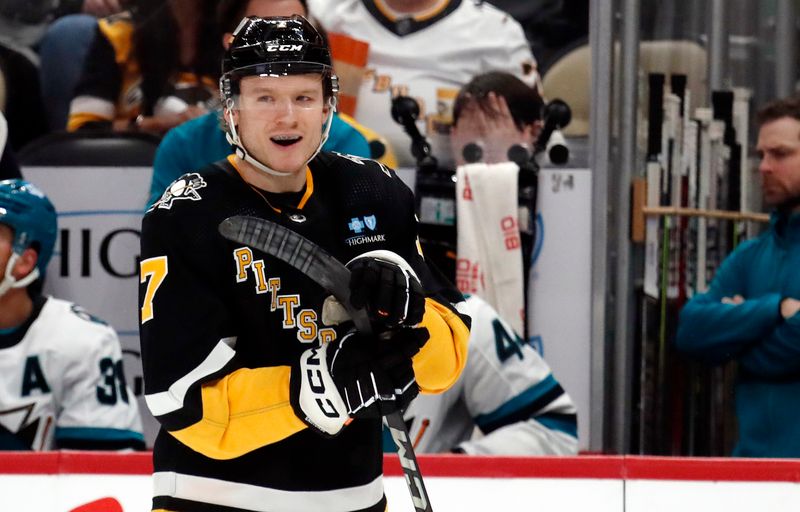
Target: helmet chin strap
column 235, row 140
column 9, row 281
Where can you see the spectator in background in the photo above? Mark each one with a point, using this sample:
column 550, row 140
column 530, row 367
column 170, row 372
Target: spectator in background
column 750, row 312
column 61, row 368
column 495, row 110
column 491, row 113
column 53, row 36
column 506, row 390
column 426, row 50
column 149, row 69
column 24, row 22
column 195, row 144
column 8, row 164
column 63, row 52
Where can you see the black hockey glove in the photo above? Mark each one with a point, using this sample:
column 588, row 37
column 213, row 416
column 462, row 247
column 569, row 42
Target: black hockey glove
column 375, row 377
column 357, row 376
column 386, row 285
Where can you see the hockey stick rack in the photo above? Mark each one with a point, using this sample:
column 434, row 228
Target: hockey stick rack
column 690, row 207
column 639, row 212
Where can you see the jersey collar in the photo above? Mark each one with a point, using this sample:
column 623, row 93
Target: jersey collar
column 300, row 204
column 13, row 336
column 402, row 24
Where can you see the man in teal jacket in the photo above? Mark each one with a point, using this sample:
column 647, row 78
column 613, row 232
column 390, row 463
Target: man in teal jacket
column 750, row 312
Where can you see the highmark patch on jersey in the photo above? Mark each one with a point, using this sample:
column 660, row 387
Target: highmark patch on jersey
column 185, row 187
column 364, row 230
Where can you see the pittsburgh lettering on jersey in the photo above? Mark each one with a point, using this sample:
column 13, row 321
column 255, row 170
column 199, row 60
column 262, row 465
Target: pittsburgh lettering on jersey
column 293, row 316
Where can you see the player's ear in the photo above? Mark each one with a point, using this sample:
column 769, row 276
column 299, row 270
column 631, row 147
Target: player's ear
column 227, row 39
column 25, row 264
column 230, row 111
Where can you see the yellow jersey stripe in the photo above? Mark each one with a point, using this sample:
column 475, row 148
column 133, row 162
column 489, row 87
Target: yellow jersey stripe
column 243, row 411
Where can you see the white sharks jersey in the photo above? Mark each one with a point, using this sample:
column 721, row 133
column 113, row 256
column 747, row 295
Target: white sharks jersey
column 506, row 390
column 429, row 57
column 62, row 385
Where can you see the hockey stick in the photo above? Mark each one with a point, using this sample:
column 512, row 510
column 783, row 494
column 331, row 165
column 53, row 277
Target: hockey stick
column 334, row 278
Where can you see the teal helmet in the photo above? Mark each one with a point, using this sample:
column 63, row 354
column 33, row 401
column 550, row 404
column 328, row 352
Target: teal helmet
column 31, row 215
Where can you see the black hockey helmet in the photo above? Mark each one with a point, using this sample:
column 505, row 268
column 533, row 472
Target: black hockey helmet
column 274, row 47
column 278, row 46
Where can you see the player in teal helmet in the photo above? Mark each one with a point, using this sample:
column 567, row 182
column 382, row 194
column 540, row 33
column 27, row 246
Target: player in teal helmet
column 57, row 362
column 29, row 221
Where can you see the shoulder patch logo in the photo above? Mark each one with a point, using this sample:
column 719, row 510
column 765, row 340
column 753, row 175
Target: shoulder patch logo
column 185, row 187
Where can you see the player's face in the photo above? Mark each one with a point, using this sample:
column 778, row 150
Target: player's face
column 779, row 150
column 280, row 119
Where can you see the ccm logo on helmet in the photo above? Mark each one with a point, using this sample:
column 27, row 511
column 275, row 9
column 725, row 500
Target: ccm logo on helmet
column 284, row 47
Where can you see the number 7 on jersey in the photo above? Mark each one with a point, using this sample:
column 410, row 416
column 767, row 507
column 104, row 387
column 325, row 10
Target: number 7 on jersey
column 154, row 271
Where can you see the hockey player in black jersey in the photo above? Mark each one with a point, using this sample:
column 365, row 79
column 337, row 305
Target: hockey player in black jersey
column 267, row 397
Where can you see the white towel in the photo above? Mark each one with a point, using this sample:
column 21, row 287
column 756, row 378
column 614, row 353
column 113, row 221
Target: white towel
column 489, row 245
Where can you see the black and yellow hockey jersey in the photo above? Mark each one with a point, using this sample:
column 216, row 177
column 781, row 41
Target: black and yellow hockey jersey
column 221, row 324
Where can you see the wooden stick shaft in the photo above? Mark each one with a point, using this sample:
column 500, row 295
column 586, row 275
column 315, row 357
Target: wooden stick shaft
column 660, row 211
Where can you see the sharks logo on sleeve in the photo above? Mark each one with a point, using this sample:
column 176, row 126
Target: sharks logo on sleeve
column 185, row 187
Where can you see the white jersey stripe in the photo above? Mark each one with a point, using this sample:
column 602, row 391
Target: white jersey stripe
column 262, row 499
column 92, row 105
column 171, row 400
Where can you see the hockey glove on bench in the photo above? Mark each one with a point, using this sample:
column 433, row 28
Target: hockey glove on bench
column 355, row 377
column 385, row 285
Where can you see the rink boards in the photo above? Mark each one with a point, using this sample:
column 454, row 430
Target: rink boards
column 109, row 482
